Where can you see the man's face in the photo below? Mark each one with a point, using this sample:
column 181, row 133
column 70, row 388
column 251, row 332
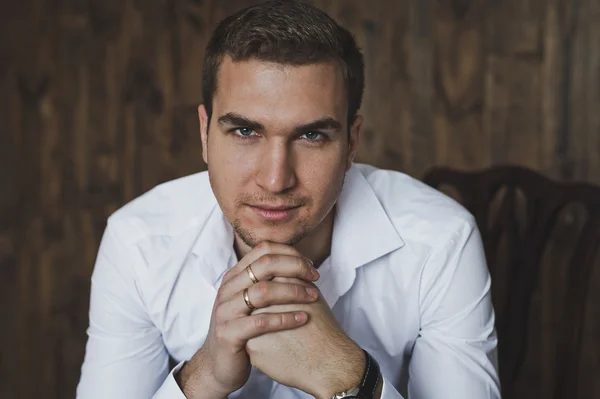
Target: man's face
column 277, row 147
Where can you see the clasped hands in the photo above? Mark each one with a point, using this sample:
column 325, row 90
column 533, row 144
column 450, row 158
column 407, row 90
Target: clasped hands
column 272, row 317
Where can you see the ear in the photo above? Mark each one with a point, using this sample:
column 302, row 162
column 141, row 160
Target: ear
column 203, row 118
column 353, row 139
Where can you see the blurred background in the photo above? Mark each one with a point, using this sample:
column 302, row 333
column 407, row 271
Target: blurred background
column 98, row 104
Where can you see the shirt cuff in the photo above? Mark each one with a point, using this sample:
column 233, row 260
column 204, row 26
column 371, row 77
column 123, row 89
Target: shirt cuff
column 388, row 391
column 170, row 389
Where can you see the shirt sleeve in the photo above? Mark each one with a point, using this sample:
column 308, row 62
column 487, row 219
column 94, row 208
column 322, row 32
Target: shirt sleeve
column 388, row 391
column 455, row 353
column 125, row 356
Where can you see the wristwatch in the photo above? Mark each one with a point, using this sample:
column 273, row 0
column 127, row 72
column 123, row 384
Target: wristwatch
column 366, row 390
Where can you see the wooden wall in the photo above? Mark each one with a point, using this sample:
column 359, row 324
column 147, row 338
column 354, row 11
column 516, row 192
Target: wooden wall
column 98, row 104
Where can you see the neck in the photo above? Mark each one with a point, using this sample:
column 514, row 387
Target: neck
column 316, row 246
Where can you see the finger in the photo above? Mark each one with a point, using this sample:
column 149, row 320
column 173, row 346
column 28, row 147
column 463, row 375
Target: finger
column 264, row 294
column 268, row 293
column 235, row 333
column 265, row 247
column 269, row 266
column 292, row 280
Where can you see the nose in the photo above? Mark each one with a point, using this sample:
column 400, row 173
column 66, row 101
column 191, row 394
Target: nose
column 276, row 173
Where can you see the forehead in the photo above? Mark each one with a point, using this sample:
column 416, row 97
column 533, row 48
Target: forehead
column 271, row 91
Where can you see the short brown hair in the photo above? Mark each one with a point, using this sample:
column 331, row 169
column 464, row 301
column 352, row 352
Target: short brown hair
column 285, row 32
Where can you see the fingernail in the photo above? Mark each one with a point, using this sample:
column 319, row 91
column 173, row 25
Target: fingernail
column 314, row 272
column 313, row 292
column 300, row 317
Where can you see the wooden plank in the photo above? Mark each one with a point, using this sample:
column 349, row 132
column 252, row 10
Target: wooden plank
column 589, row 382
column 131, row 182
column 33, row 82
column 381, row 31
column 420, row 71
column 592, row 11
column 513, row 100
column 553, row 94
column 9, row 271
column 459, row 83
column 583, row 122
column 578, row 58
column 75, row 106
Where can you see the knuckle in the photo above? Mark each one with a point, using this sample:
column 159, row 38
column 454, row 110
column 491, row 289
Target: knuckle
column 298, row 291
column 267, row 259
column 221, row 335
column 265, row 246
column 302, row 265
column 295, row 252
column 268, row 266
column 261, row 264
column 262, row 289
column 261, row 322
column 221, row 314
column 286, row 319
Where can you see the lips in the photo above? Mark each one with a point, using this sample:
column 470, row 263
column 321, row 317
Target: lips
column 274, row 213
column 275, row 207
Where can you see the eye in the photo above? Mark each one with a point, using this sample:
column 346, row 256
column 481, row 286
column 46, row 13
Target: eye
column 313, row 136
column 245, row 132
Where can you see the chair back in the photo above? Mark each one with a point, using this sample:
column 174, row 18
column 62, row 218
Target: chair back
column 541, row 239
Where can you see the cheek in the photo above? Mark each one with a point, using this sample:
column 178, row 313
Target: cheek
column 229, row 166
column 324, row 179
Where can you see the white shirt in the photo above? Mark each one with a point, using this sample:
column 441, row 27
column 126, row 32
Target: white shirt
column 406, row 279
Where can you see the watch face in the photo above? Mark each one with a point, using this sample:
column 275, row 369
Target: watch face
column 348, row 394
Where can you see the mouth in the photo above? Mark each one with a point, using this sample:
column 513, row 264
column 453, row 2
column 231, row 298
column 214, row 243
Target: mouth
column 278, row 213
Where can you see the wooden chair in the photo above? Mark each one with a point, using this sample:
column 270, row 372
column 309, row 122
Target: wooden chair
column 541, row 239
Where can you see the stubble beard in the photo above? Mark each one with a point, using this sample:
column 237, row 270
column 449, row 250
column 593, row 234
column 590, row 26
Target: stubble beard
column 250, row 239
column 304, row 229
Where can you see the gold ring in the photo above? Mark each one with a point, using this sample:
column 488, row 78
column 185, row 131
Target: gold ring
column 251, row 274
column 247, row 300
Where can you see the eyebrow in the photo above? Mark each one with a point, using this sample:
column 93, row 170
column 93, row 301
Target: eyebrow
column 233, row 119
column 325, row 123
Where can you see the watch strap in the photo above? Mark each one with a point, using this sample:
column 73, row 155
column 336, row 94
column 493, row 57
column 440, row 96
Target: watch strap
column 369, row 382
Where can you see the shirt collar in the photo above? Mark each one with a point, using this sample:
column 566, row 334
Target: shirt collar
column 214, row 245
column 362, row 230
column 362, row 233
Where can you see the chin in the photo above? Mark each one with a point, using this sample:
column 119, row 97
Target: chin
column 253, row 237
column 279, row 238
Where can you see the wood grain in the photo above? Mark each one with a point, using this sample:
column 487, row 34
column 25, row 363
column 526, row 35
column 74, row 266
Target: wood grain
column 98, row 104
column 541, row 241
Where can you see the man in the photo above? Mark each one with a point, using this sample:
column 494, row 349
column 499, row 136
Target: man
column 287, row 271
